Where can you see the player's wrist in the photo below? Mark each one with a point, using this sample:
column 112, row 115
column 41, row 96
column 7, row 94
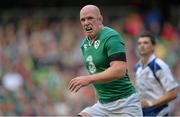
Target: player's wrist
column 149, row 103
column 91, row 79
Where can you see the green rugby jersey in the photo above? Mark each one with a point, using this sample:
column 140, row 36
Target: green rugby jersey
column 96, row 59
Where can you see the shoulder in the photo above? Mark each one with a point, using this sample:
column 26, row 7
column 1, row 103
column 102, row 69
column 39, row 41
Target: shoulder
column 136, row 66
column 158, row 64
column 161, row 63
column 109, row 33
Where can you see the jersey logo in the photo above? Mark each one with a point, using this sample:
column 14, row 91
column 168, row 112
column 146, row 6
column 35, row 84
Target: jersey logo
column 96, row 44
column 85, row 46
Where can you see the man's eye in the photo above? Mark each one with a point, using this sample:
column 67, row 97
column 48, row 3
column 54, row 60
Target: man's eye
column 82, row 20
column 90, row 18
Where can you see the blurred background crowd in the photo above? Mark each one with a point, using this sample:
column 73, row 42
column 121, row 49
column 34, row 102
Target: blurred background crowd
column 40, row 54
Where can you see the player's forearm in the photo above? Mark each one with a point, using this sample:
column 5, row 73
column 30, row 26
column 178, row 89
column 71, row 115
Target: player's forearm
column 170, row 95
column 116, row 71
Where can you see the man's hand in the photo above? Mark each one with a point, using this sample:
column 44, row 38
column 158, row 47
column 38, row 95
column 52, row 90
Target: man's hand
column 146, row 104
column 76, row 83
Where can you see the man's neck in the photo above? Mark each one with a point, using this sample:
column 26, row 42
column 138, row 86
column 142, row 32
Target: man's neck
column 145, row 59
column 91, row 40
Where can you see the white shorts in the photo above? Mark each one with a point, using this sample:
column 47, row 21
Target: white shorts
column 123, row 107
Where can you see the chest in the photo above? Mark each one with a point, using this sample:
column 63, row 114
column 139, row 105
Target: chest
column 95, row 53
column 145, row 76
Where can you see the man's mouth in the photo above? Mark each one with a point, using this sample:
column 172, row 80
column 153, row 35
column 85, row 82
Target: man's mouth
column 88, row 29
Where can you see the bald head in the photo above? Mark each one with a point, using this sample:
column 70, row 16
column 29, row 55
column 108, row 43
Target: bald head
column 91, row 8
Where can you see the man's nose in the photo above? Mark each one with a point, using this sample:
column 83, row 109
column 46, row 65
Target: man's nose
column 141, row 45
column 86, row 22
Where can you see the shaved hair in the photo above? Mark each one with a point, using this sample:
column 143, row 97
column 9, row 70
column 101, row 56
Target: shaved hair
column 92, row 8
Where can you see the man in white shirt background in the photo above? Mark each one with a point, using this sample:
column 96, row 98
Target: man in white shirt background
column 153, row 78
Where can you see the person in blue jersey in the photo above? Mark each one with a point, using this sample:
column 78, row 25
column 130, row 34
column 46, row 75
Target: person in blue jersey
column 153, row 78
column 104, row 56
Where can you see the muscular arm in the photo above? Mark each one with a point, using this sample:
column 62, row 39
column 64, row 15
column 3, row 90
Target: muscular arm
column 116, row 70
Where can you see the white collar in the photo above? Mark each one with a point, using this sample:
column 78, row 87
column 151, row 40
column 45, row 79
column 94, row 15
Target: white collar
column 149, row 60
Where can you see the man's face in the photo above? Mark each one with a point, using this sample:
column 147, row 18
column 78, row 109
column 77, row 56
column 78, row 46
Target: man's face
column 90, row 22
column 145, row 46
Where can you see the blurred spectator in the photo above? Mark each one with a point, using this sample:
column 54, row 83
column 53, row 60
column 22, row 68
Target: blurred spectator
column 12, row 80
column 153, row 20
column 134, row 24
column 169, row 32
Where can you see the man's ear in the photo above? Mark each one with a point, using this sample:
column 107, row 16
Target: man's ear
column 101, row 18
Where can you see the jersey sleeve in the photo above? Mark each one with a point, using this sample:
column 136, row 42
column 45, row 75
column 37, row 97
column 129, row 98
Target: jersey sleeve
column 114, row 45
column 166, row 77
